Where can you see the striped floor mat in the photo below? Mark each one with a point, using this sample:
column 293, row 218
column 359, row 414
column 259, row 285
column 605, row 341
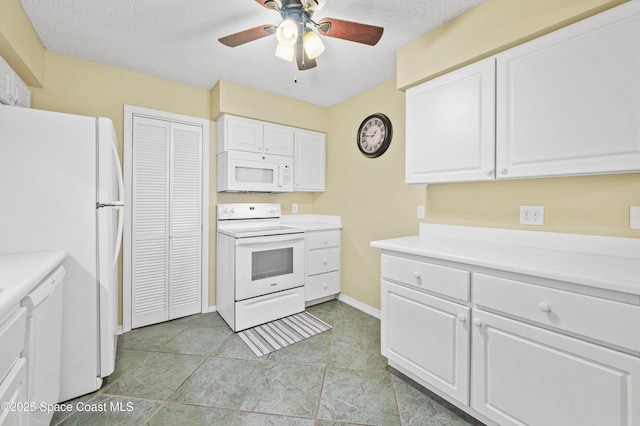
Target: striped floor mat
column 277, row 334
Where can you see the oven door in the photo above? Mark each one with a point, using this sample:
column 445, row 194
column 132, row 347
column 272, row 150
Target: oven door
column 268, row 264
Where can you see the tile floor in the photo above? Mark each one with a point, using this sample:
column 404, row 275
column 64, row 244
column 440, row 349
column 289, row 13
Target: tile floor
column 195, row 371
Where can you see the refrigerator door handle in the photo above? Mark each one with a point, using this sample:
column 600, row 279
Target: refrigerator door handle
column 119, row 204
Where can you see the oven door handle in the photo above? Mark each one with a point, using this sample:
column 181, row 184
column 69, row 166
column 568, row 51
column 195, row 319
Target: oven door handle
column 268, row 239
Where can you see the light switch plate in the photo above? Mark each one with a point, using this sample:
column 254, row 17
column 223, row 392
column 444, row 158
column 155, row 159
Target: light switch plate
column 634, row 217
column 420, row 212
column 294, row 208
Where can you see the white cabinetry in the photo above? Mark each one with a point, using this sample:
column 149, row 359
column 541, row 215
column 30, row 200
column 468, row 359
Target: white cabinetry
column 513, row 332
column 309, row 161
column 13, row 91
column 565, row 104
column 13, row 381
column 428, row 336
column 244, row 134
column 568, row 103
column 524, row 374
column 450, row 126
column 323, row 265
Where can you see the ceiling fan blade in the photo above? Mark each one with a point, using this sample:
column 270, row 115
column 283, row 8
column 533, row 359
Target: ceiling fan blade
column 304, row 62
column 246, row 36
column 352, row 31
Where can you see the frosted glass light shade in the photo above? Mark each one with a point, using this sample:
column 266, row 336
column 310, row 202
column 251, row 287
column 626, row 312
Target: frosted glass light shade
column 287, row 32
column 313, row 46
column 285, row 52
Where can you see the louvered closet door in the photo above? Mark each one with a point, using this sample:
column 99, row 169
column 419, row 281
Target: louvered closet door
column 167, row 205
column 185, row 220
column 150, row 221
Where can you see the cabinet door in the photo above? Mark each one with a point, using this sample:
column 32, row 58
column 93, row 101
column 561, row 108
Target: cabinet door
column 568, row 103
column 309, row 161
column 428, row 337
column 450, row 126
column 278, row 140
column 6, row 75
column 522, row 374
column 242, row 134
column 21, row 93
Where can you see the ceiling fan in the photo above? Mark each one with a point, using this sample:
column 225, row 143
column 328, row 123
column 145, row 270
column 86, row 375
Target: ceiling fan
column 296, row 35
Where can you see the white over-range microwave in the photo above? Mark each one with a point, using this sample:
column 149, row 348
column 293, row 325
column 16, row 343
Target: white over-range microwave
column 240, row 171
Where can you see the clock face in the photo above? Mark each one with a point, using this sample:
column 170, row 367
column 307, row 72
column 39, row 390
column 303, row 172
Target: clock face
column 374, row 135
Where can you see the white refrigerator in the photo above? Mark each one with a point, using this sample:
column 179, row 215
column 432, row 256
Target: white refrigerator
column 61, row 189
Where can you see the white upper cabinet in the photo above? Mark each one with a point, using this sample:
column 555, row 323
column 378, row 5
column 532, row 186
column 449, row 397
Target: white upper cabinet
column 309, row 161
column 13, row 91
column 569, row 103
column 450, row 126
column 244, row 134
column 278, row 140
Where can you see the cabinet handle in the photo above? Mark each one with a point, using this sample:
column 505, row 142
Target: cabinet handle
column 490, row 173
column 326, row 241
column 416, row 275
column 324, row 261
column 544, row 307
column 462, row 318
column 325, row 285
column 504, row 172
column 477, row 322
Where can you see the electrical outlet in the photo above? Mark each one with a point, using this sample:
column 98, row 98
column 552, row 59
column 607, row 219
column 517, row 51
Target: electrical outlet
column 294, row 208
column 532, row 215
column 420, row 212
column 634, row 217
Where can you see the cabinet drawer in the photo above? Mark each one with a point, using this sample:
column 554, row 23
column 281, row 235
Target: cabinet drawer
column 13, row 390
column 439, row 279
column 316, row 240
column 323, row 285
column 607, row 321
column 321, row 261
column 12, row 335
column 259, row 310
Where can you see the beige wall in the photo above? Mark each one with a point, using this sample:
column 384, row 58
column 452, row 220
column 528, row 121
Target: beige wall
column 490, row 27
column 369, row 194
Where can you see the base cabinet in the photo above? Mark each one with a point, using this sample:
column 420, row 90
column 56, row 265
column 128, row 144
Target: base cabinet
column 519, row 350
column 526, row 375
column 323, row 265
column 429, row 336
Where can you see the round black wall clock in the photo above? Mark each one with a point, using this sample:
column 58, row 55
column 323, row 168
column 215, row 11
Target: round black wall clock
column 374, row 135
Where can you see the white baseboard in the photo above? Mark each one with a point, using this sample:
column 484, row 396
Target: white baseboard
column 213, row 308
column 359, row 305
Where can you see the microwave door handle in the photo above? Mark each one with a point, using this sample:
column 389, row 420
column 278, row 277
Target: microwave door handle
column 280, row 175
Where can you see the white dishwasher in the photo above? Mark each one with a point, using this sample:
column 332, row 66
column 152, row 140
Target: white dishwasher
column 43, row 345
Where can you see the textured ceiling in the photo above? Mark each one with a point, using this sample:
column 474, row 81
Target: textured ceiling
column 178, row 41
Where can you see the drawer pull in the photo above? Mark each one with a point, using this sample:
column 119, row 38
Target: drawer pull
column 462, row 318
column 477, row 322
column 544, row 307
column 325, row 261
column 326, row 241
column 416, row 275
column 325, row 285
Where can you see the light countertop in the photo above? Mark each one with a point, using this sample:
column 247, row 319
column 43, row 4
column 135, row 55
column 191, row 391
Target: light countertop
column 21, row 273
column 610, row 263
column 312, row 222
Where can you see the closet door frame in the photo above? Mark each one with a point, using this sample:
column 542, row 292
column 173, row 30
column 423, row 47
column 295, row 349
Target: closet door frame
column 129, row 112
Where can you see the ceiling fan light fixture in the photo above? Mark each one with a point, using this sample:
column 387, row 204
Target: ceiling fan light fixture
column 285, row 52
column 287, row 32
column 313, row 46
